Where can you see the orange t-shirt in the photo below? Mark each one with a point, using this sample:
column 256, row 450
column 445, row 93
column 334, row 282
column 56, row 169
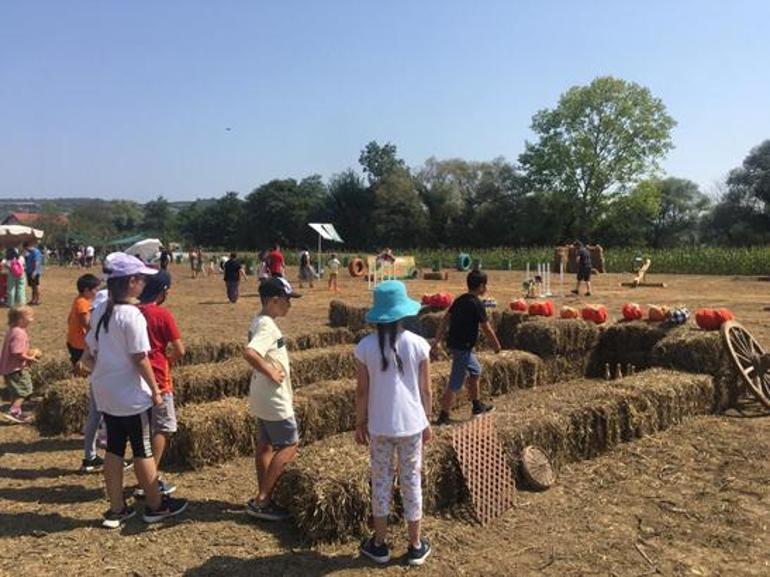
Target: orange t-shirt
column 76, row 334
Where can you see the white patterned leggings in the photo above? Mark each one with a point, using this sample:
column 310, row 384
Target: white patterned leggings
column 384, row 451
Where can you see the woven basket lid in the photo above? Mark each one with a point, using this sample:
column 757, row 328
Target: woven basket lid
column 536, row 468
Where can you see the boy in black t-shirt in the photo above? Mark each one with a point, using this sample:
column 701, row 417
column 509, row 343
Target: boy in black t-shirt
column 464, row 317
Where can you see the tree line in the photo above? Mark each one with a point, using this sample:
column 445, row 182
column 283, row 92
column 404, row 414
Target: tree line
column 591, row 173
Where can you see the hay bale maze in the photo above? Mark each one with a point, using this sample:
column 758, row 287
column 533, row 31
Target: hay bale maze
column 327, row 488
column 627, row 344
column 344, row 315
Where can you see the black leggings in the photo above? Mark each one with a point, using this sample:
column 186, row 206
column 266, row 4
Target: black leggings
column 135, row 429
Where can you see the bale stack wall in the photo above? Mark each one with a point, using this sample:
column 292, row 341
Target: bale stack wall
column 65, row 411
column 323, row 409
column 565, row 345
column 626, row 343
column 344, row 315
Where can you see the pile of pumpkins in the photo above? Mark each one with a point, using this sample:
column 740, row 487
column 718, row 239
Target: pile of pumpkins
column 594, row 313
column 713, row 319
column 441, row 301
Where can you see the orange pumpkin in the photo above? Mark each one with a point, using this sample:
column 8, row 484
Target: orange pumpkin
column 541, row 309
column 657, row 313
column 632, row 312
column 519, row 305
column 595, row 313
column 724, row 315
column 569, row 313
column 712, row 319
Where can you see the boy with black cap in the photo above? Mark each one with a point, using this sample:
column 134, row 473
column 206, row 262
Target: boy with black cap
column 271, row 397
column 162, row 331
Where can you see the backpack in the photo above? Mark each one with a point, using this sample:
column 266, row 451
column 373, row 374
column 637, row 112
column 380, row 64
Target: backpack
column 17, row 271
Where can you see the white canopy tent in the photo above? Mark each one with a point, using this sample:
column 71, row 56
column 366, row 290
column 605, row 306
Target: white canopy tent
column 146, row 249
column 326, row 231
column 15, row 234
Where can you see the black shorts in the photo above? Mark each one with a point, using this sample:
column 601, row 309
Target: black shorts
column 33, row 280
column 135, row 429
column 584, row 274
column 276, row 274
column 75, row 354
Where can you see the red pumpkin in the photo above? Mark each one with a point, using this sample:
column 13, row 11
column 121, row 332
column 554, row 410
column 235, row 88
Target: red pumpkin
column 519, row 305
column 425, row 300
column 541, row 309
column 657, row 313
column 724, row 315
column 569, row 313
column 595, row 313
column 707, row 319
column 632, row 312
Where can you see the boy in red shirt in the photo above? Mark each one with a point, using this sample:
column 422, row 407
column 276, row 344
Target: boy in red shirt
column 275, row 261
column 163, row 332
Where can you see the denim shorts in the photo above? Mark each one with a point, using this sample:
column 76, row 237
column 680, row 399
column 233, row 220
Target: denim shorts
column 164, row 416
column 278, row 433
column 462, row 362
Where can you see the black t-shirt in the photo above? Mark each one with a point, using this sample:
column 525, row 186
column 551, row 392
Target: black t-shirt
column 165, row 257
column 466, row 313
column 584, row 259
column 232, row 270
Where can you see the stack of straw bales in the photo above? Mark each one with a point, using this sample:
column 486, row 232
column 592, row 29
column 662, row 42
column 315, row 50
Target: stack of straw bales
column 627, row 343
column 565, row 345
column 508, row 326
column 64, row 407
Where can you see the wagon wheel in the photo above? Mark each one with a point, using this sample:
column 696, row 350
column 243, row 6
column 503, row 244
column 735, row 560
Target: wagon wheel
column 750, row 358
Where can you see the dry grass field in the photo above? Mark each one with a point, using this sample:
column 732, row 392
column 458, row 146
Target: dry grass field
column 692, row 500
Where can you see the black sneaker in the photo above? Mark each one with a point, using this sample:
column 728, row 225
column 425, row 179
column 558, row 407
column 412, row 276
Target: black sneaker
column 92, row 465
column 169, row 507
column 574, row 291
column 480, row 409
column 112, row 520
column 267, row 512
column 443, row 419
column 418, row 556
column 377, row 553
column 163, row 487
column 588, row 294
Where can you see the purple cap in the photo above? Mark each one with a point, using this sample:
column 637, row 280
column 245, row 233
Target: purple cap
column 120, row 264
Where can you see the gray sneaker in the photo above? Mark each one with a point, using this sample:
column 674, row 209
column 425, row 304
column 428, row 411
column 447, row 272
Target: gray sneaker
column 112, row 520
column 267, row 512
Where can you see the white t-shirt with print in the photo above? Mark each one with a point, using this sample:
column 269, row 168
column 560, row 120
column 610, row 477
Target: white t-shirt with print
column 119, row 389
column 395, row 406
column 267, row 399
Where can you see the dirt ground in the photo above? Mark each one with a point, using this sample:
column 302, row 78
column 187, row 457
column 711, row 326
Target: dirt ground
column 690, row 501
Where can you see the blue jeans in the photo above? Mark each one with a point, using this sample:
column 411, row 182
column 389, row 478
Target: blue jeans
column 462, row 362
column 93, row 420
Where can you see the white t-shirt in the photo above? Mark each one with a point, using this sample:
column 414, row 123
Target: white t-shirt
column 100, row 298
column 89, row 251
column 119, row 389
column 268, row 400
column 395, row 407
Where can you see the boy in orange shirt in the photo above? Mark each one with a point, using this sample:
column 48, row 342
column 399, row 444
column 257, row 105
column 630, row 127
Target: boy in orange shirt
column 79, row 320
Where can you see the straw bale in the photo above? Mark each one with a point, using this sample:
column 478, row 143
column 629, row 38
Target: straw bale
column 508, row 326
column 692, row 350
column 428, row 324
column 551, row 337
column 343, row 315
column 49, row 370
column 326, row 337
column 212, row 432
column 63, row 408
column 627, row 343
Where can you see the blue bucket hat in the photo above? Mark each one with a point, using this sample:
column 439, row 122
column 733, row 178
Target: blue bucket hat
column 391, row 303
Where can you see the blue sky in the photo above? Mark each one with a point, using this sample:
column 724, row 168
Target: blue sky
column 132, row 99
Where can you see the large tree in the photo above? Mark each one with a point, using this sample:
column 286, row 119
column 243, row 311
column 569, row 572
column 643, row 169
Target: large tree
column 754, row 174
column 350, row 205
column 680, row 209
column 158, row 218
column 599, row 139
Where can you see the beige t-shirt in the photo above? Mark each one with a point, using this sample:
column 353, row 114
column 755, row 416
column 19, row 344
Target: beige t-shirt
column 268, row 400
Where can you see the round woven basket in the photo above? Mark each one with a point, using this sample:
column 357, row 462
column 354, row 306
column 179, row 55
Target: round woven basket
column 536, row 469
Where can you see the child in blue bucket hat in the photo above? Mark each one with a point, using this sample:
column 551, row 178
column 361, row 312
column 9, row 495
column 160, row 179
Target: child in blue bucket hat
column 393, row 407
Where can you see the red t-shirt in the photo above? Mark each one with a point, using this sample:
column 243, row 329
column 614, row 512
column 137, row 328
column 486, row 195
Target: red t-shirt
column 275, row 258
column 161, row 328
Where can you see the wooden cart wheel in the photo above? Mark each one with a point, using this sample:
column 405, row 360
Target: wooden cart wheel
column 536, row 468
column 750, row 359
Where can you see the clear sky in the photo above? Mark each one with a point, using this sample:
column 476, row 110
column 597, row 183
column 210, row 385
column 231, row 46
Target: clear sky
column 132, row 99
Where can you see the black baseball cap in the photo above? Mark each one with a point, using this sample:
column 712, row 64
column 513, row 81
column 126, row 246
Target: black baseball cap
column 154, row 285
column 277, row 287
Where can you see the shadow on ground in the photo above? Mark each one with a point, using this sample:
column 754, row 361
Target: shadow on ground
column 301, row 563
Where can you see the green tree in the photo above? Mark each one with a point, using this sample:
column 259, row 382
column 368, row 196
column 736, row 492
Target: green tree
column 630, row 217
column 754, row 174
column 158, row 219
column 598, row 140
column 54, row 224
column 349, row 206
column 91, row 223
column 127, row 216
column 680, row 209
column 398, row 218
column 379, row 161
